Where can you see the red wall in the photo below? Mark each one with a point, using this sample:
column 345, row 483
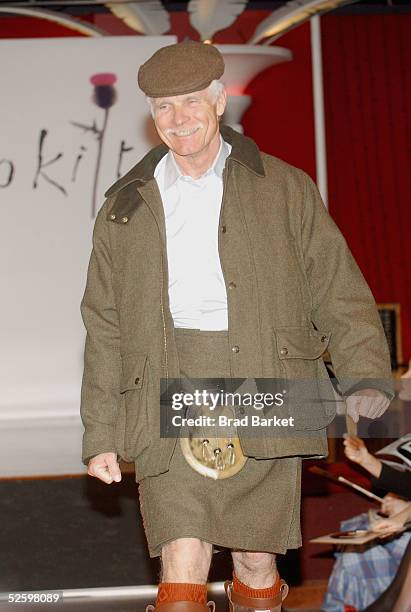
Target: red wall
column 281, row 116
column 28, row 27
column 367, row 85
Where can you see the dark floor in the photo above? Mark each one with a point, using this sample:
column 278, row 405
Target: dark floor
column 75, row 533
column 71, row 533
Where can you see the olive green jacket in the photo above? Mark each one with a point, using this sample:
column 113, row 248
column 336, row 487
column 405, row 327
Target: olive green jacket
column 293, row 290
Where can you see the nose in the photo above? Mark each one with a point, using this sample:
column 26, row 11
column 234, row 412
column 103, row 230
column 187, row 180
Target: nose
column 180, row 116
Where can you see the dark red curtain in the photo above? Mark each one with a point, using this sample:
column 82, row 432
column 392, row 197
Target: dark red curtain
column 281, row 117
column 29, row 27
column 367, row 85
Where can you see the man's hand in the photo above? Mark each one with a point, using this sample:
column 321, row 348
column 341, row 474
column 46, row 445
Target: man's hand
column 369, row 403
column 105, row 467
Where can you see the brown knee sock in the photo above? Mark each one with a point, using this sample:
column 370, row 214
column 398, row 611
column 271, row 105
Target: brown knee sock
column 181, row 591
column 244, row 589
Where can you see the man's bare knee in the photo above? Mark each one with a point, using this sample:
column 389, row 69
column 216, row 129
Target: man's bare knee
column 256, row 569
column 254, row 561
column 186, row 560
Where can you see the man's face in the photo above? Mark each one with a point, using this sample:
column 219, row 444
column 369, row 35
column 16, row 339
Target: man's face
column 188, row 123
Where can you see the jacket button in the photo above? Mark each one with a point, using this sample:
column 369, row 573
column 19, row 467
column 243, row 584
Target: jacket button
column 235, row 349
column 124, row 219
column 224, row 229
column 241, row 410
column 232, row 285
column 137, row 381
column 112, row 217
column 284, row 351
column 323, row 338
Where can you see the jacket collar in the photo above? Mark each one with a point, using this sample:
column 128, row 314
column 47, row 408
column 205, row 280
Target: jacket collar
column 244, row 151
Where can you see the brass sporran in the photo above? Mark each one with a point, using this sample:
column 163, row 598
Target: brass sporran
column 212, row 450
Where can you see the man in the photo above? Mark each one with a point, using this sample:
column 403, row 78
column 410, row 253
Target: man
column 210, row 260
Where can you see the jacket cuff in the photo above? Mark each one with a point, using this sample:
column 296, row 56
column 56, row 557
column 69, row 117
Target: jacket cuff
column 98, row 438
column 350, row 386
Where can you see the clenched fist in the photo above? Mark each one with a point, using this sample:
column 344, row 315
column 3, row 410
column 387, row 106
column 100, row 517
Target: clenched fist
column 105, row 467
column 369, row 403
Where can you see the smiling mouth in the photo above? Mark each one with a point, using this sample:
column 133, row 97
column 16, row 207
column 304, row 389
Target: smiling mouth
column 185, row 133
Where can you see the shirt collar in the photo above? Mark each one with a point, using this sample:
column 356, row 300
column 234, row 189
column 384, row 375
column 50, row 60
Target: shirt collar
column 172, row 172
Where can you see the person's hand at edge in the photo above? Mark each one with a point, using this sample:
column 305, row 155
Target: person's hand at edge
column 356, row 451
column 394, row 524
column 392, row 504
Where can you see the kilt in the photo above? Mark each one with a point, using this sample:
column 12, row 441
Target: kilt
column 257, row 509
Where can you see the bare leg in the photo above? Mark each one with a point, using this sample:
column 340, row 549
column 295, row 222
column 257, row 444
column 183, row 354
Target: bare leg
column 257, row 570
column 186, row 560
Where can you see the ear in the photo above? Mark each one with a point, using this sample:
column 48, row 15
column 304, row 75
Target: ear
column 221, row 102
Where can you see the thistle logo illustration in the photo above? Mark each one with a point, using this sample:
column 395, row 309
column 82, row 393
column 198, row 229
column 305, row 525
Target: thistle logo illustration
column 104, row 96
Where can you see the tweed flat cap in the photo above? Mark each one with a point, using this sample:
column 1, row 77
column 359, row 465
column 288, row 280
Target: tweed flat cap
column 180, row 69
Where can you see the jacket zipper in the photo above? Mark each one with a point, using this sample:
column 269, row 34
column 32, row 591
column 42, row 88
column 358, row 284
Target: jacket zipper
column 164, row 318
column 225, row 176
column 226, row 171
column 164, row 272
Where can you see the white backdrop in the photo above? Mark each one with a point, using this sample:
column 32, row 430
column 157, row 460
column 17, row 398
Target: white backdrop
column 46, row 214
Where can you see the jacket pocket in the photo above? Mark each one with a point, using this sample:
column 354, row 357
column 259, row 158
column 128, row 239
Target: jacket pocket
column 134, row 389
column 310, row 397
column 301, row 343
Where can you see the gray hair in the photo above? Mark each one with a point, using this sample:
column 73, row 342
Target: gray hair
column 214, row 90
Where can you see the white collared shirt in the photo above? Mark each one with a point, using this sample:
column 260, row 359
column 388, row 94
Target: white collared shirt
column 197, row 291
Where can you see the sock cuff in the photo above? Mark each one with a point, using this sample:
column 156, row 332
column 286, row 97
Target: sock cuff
column 169, row 592
column 248, row 591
